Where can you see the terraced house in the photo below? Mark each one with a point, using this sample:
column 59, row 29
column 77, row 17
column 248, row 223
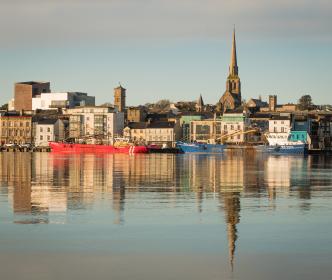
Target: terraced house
column 15, row 128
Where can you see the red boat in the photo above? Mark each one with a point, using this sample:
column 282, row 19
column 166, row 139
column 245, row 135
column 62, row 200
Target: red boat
column 96, row 148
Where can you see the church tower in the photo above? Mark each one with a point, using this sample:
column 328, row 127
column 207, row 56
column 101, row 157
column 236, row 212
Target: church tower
column 120, row 98
column 232, row 96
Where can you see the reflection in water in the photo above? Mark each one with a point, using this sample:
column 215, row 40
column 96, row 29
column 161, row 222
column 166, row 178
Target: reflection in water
column 43, row 187
column 232, row 213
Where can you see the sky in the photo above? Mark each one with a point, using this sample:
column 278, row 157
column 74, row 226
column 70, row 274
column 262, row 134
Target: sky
column 167, row 49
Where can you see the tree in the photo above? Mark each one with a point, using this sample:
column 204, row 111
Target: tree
column 162, row 104
column 305, row 102
column 4, row 107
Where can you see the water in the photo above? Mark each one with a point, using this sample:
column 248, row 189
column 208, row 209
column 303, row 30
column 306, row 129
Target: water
column 236, row 216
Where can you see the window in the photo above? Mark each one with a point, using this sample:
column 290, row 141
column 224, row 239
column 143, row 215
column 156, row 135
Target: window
column 48, row 137
column 27, row 124
column 21, row 124
column 41, row 129
column 48, row 129
column 41, row 137
column 282, row 129
column 232, row 127
column 275, row 129
column 238, row 137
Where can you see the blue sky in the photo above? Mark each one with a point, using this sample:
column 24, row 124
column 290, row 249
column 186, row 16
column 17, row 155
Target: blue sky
column 167, row 49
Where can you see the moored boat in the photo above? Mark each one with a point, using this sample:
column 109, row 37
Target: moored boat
column 200, row 147
column 280, row 143
column 115, row 148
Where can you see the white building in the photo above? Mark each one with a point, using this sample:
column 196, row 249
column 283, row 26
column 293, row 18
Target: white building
column 11, row 103
column 95, row 122
column 48, row 130
column 46, row 101
column 280, row 124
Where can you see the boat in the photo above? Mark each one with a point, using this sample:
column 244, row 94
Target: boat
column 119, row 146
column 197, row 147
column 280, row 143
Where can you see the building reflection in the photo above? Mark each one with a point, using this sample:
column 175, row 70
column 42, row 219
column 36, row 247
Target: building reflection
column 42, row 187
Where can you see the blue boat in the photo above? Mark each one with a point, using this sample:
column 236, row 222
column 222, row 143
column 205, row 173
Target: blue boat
column 200, row 147
column 282, row 149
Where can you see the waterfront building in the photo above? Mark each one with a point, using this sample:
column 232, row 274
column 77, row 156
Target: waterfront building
column 158, row 133
column 231, row 99
column 301, row 122
column 229, row 128
column 15, row 128
column 260, row 120
column 56, row 100
column 205, row 130
column 280, row 123
column 321, row 131
column 120, row 98
column 94, row 122
column 47, row 130
column 185, row 121
column 136, row 114
column 235, row 122
column 25, row 91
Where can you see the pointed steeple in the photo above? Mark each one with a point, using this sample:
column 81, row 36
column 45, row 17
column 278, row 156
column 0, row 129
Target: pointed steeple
column 200, row 101
column 200, row 104
column 233, row 69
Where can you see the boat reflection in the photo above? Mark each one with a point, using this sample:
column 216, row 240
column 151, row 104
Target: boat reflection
column 43, row 187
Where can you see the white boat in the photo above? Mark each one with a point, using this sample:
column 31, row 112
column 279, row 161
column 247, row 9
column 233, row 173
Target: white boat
column 280, row 143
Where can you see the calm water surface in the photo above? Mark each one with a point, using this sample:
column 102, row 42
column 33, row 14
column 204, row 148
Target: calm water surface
column 232, row 216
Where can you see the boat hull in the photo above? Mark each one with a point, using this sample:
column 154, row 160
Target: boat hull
column 282, row 149
column 200, row 148
column 93, row 148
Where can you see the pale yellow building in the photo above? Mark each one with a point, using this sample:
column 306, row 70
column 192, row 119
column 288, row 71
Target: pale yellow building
column 229, row 128
column 15, row 128
column 158, row 133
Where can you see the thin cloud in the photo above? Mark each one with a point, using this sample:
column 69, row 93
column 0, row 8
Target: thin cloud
column 39, row 22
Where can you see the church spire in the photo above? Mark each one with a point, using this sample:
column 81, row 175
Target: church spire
column 233, row 69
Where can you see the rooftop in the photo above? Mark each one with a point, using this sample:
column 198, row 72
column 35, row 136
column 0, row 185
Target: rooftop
column 47, row 121
column 143, row 125
column 32, row 83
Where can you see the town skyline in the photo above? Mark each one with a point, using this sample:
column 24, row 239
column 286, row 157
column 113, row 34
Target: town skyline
column 177, row 61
